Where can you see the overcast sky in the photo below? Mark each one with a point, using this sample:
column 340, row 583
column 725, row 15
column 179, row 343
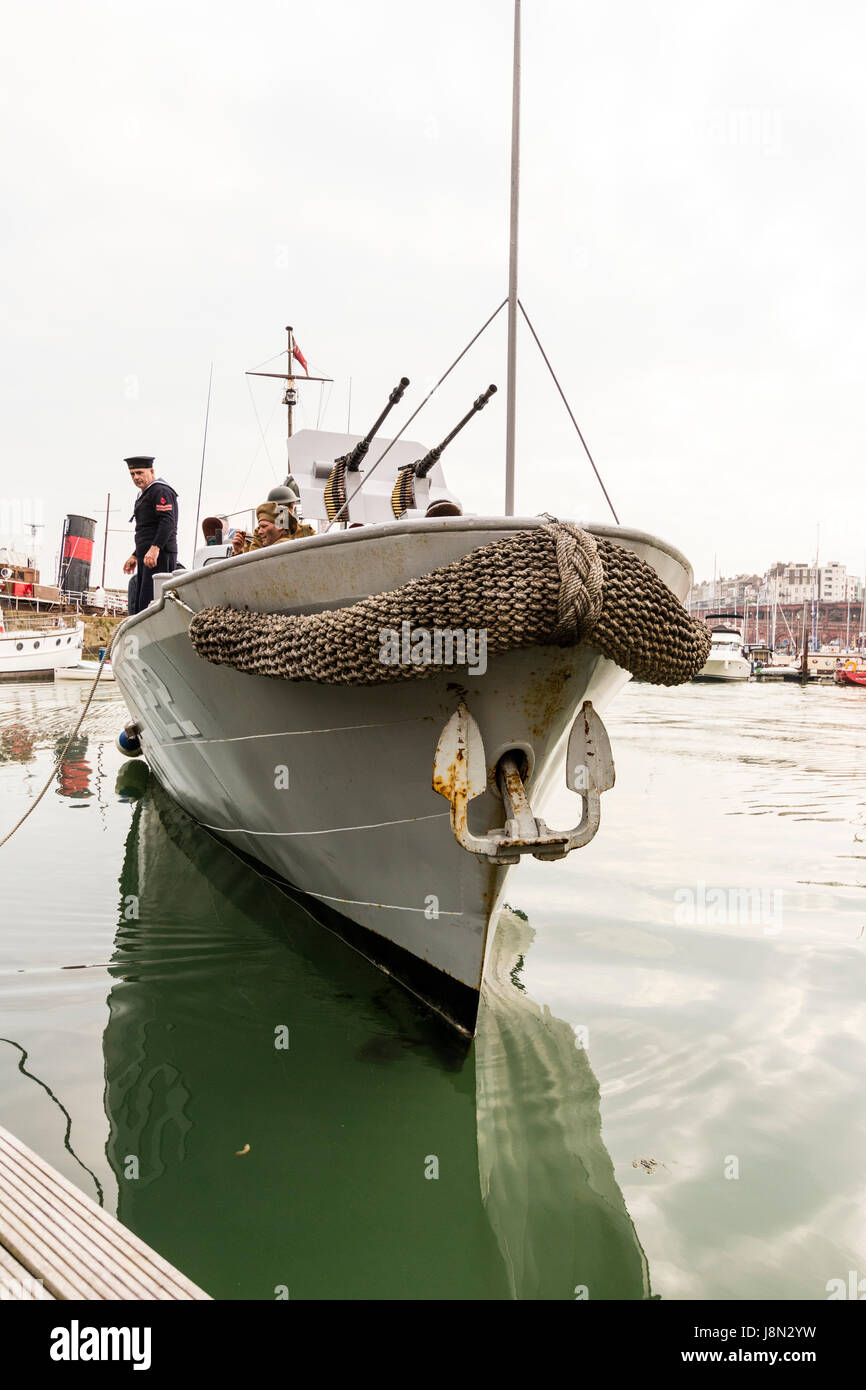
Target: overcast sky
column 182, row 180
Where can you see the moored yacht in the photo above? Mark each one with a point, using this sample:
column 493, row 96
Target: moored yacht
column 726, row 661
column 37, row 647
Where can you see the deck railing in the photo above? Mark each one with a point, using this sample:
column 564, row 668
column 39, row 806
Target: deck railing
column 39, row 622
column 72, row 604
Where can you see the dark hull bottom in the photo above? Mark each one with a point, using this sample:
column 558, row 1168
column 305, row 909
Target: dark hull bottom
column 825, row 677
column 27, row 675
column 453, row 1001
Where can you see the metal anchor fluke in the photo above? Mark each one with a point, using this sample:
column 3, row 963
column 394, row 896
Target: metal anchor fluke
column 460, row 775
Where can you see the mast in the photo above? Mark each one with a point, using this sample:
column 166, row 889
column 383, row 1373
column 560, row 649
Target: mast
column 804, row 668
column 511, row 404
column 105, row 542
column 816, row 589
column 290, row 399
column 847, row 621
column 291, row 395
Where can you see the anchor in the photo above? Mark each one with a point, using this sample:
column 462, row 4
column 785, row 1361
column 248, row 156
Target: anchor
column 460, row 775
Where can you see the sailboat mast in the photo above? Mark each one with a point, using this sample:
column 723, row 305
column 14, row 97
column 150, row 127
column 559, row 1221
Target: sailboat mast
column 511, row 403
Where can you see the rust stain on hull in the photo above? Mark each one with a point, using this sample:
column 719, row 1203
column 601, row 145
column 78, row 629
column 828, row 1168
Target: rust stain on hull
column 545, row 697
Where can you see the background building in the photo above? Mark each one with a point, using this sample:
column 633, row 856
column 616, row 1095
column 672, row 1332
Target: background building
column 787, row 600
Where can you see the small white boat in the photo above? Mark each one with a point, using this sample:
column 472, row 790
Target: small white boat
column 85, row 671
column 726, row 661
column 39, row 651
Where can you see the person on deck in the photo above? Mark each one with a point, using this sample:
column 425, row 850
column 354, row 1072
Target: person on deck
column 444, row 507
column 155, row 517
column 268, row 531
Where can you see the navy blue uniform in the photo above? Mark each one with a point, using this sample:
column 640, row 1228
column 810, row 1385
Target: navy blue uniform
column 155, row 518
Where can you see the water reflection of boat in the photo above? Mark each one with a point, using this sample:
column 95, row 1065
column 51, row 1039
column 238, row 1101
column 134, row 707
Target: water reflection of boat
column 17, row 743
column 73, row 769
column 365, row 1131
column 547, row 1179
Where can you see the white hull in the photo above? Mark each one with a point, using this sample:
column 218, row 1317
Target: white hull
column 85, row 671
column 359, row 827
column 735, row 668
column 33, row 652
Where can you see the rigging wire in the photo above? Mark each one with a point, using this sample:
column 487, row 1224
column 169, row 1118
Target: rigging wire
column 568, row 408
column 330, row 386
column 254, row 457
column 261, row 431
column 404, row 428
column 201, row 474
column 269, row 360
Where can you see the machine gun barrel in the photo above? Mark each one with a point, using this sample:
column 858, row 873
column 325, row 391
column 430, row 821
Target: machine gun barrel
column 353, row 459
column 423, row 466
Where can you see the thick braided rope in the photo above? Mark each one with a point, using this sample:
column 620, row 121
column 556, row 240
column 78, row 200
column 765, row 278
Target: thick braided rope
column 554, row 585
column 582, row 581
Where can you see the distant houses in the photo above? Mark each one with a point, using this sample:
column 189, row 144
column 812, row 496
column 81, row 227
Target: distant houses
column 776, row 606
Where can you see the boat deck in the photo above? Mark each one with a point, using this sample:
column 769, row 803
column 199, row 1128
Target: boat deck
column 56, row 1243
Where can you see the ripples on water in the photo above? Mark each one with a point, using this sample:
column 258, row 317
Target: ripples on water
column 707, row 1141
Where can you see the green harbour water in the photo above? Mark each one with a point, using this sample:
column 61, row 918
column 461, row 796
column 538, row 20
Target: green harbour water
column 664, row 1098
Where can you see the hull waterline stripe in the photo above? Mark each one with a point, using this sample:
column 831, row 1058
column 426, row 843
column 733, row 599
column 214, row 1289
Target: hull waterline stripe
column 391, row 907
column 332, row 830
column 291, row 733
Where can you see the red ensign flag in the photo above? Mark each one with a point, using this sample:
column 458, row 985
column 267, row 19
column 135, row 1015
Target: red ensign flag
column 299, row 356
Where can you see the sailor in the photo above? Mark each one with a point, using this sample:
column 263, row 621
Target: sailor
column 155, row 517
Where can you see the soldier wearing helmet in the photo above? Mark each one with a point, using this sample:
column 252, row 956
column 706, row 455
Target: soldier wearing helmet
column 276, row 521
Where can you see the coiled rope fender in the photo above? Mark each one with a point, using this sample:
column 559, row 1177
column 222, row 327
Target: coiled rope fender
column 554, row 585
